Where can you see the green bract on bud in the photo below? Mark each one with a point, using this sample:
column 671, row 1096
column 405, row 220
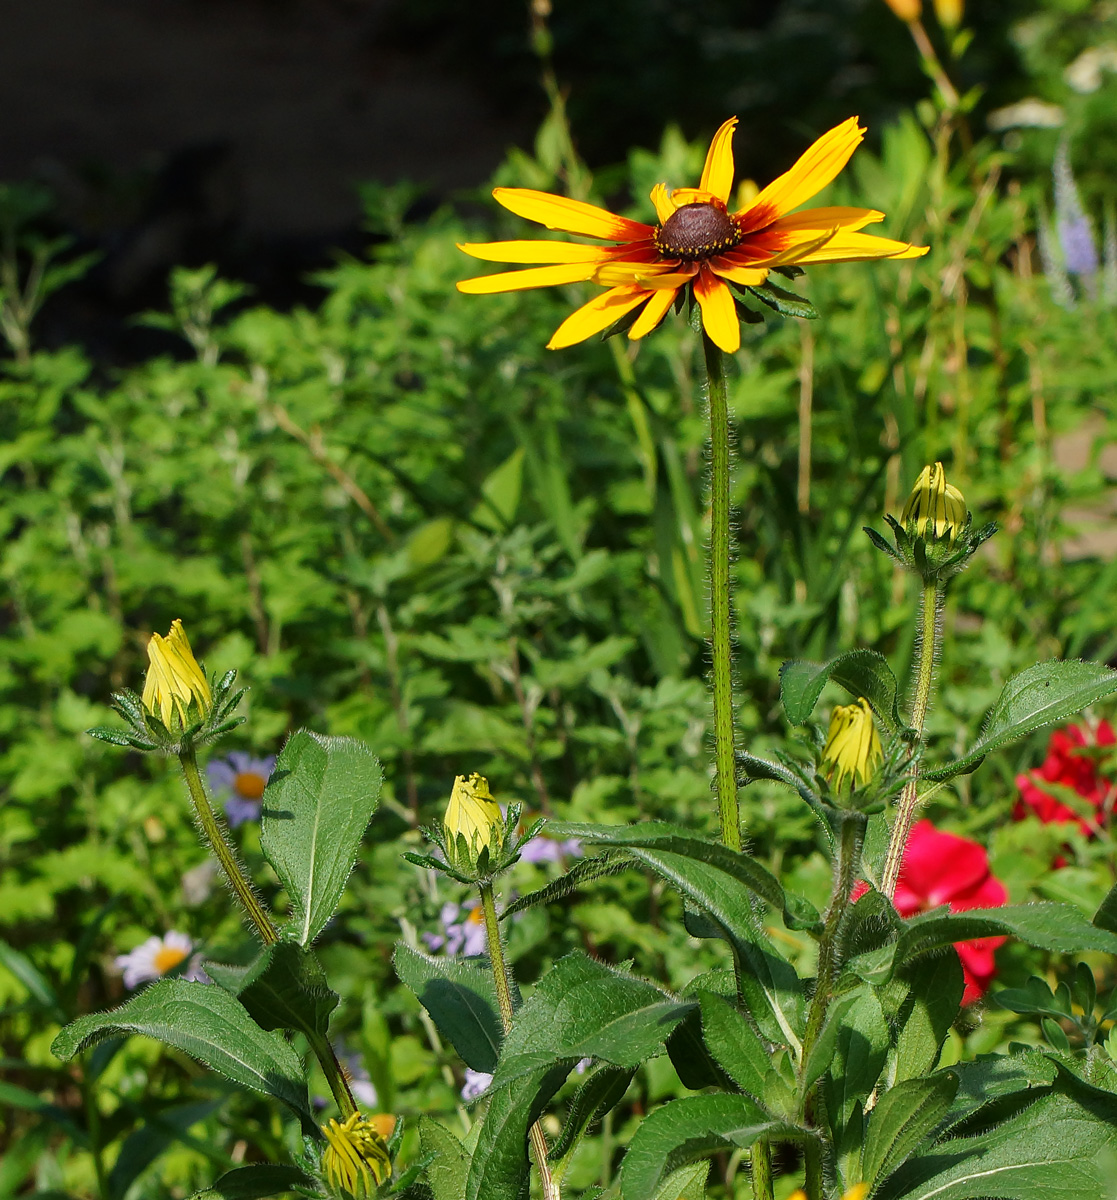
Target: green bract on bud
column 852, row 751
column 356, row 1160
column 934, row 537
column 936, row 510
column 473, row 822
column 179, row 710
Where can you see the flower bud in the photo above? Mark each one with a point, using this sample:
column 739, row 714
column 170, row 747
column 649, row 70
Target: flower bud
column 936, row 510
column 174, row 679
column 949, row 13
column 356, row 1158
column 906, row 10
column 474, row 815
column 852, row 750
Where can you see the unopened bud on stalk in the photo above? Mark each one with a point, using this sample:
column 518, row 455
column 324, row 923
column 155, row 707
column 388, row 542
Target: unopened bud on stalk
column 356, row 1158
column 852, row 750
column 906, row 10
column 936, row 510
column 174, row 679
column 473, row 815
column 949, row 13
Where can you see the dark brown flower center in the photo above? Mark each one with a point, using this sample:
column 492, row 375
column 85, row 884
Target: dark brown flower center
column 696, row 231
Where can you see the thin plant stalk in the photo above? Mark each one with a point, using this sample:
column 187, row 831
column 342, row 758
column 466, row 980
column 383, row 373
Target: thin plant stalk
column 721, row 637
column 504, row 1002
column 265, row 928
column 930, row 604
column 761, row 1163
column 226, row 855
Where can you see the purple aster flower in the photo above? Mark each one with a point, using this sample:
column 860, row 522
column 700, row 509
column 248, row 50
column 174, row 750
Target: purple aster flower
column 463, row 930
column 476, row 1083
column 544, row 849
column 241, row 779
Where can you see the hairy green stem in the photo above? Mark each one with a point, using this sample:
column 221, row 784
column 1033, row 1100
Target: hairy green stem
column 925, row 671
column 761, row 1162
column 812, row 1169
column 721, row 638
column 242, row 887
column 504, row 1002
column 226, row 855
column 849, row 855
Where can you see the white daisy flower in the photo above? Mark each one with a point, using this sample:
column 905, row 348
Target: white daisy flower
column 155, row 957
column 241, row 779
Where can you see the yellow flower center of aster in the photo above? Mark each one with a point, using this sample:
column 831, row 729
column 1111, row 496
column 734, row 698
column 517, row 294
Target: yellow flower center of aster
column 249, row 785
column 697, row 231
column 167, row 958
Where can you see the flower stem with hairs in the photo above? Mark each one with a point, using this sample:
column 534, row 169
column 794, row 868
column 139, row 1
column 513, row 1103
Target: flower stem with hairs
column 269, row 935
column 721, row 637
column 930, row 605
column 504, row 1002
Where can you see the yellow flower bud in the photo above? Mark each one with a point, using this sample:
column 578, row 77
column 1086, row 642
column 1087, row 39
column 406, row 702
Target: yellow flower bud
column 474, row 814
column 356, row 1158
column 949, row 13
column 906, row 10
column 852, row 749
column 858, row 1192
column 174, row 678
column 936, row 510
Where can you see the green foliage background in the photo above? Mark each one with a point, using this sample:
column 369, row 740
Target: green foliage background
column 402, row 520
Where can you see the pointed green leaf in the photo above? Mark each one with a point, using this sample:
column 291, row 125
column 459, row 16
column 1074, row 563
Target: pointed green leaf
column 861, row 672
column 285, row 988
column 498, row 1169
column 449, row 1160
column 860, row 1049
column 461, row 999
column 734, row 1043
column 601, row 1093
column 1053, row 1150
column 689, row 1130
column 317, row 804
column 903, row 1118
column 935, row 987
column 720, row 881
column 1041, row 695
column 1048, row 925
column 584, row 1009
column 257, row 1182
column 209, row 1025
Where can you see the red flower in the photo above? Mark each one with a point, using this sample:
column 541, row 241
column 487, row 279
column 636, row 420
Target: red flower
column 942, row 868
column 1069, row 768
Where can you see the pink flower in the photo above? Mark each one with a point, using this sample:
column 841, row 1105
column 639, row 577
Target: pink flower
column 942, row 868
column 1067, row 767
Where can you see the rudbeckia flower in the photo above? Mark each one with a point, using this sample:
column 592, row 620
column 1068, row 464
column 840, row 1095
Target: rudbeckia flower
column 852, row 751
column 698, row 244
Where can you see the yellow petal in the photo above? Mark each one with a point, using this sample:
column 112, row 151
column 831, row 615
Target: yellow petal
column 717, row 174
column 654, row 312
column 572, row 216
column 663, row 201
column 719, row 315
column 533, row 252
column 615, row 274
column 815, row 169
column 826, row 218
column 533, row 277
column 800, row 247
column 845, row 246
column 597, row 315
column 681, row 196
column 749, row 276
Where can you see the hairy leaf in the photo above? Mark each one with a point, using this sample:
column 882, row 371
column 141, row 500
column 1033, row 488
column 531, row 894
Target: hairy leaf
column 317, row 804
column 208, row 1024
